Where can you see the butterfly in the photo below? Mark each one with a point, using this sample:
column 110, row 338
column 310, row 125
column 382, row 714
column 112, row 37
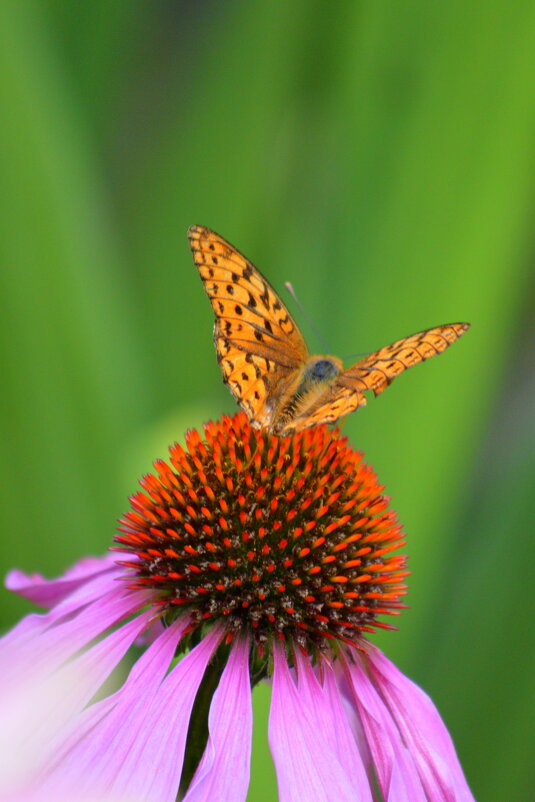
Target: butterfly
column 265, row 360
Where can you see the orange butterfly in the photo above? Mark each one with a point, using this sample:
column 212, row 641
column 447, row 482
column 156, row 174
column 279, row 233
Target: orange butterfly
column 264, row 357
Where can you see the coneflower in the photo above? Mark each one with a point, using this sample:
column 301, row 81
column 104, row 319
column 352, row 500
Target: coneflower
column 249, row 557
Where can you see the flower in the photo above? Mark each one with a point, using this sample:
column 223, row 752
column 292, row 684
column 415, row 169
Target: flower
column 250, row 557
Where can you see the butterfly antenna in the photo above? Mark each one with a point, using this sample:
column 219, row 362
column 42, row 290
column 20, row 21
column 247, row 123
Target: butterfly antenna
column 312, row 325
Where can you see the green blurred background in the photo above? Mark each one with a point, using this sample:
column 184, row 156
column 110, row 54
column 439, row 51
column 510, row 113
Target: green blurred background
column 379, row 155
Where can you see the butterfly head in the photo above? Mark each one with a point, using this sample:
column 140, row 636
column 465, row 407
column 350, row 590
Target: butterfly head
column 321, row 369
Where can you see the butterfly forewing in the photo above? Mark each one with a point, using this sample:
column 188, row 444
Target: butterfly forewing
column 259, row 346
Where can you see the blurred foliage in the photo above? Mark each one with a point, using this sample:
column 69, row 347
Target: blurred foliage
column 380, row 156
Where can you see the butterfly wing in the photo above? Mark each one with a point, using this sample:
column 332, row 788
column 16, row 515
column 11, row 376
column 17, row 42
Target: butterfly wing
column 259, row 346
column 376, row 372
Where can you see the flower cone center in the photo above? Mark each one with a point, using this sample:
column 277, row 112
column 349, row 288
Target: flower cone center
column 286, row 537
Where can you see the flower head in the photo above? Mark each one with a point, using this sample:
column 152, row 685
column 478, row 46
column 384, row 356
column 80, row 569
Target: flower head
column 254, row 557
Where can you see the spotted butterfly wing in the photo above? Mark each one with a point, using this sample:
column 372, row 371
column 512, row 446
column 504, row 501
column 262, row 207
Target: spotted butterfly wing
column 259, row 347
column 377, row 371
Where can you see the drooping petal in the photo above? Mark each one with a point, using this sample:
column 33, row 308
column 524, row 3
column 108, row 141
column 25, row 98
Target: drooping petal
column 423, row 731
column 49, row 592
column 308, row 769
column 152, row 765
column 134, row 747
column 90, row 759
column 224, row 770
column 396, row 773
column 39, row 704
column 102, row 586
column 350, row 755
column 326, row 709
column 49, row 641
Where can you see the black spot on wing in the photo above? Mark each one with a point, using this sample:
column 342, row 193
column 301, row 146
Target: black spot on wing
column 264, row 297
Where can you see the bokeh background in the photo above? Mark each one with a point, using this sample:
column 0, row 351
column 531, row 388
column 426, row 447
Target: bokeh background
column 378, row 155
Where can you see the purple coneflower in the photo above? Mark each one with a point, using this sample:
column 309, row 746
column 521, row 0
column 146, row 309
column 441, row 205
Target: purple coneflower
column 249, row 557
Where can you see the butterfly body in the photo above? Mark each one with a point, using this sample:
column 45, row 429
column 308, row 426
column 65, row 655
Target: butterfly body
column 264, row 358
column 310, row 385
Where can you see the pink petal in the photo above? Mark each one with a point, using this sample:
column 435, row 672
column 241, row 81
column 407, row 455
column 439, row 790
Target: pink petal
column 95, row 665
column 152, row 764
column 223, row 772
column 95, row 588
column 48, row 592
column 308, row 768
column 329, row 716
column 396, row 773
column 422, row 730
column 133, row 747
column 46, row 647
column 90, row 758
column 41, row 704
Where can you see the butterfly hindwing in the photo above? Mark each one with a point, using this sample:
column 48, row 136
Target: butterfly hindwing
column 337, row 402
